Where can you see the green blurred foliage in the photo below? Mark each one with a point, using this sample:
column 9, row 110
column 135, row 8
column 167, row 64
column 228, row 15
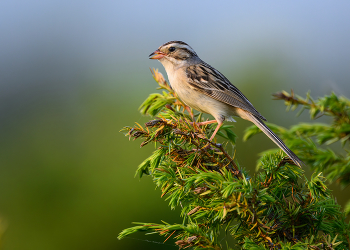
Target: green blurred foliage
column 63, row 171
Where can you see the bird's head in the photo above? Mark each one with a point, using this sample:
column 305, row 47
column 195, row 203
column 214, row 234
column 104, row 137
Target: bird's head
column 175, row 52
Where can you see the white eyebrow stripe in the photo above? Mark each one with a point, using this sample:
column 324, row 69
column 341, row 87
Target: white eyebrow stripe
column 180, row 46
column 188, row 49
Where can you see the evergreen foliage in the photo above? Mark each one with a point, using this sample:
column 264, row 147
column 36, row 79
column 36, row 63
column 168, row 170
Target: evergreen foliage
column 310, row 140
column 276, row 208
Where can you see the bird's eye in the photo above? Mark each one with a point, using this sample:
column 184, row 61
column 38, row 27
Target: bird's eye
column 171, row 49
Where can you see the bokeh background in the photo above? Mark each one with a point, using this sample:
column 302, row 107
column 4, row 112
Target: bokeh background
column 73, row 73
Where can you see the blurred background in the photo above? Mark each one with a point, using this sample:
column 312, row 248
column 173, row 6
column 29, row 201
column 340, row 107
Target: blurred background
column 73, row 73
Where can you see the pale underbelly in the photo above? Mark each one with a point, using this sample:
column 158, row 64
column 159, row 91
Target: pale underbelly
column 206, row 104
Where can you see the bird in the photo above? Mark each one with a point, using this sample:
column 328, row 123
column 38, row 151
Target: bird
column 205, row 89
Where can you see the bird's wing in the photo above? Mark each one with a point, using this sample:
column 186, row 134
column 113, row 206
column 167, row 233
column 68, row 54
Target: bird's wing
column 212, row 83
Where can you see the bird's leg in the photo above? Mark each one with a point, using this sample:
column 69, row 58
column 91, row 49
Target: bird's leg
column 216, row 130
column 195, row 124
column 206, row 122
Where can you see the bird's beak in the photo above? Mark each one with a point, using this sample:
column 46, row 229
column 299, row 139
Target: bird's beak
column 157, row 55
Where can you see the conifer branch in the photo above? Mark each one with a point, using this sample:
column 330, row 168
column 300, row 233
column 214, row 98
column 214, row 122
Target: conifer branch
column 276, row 208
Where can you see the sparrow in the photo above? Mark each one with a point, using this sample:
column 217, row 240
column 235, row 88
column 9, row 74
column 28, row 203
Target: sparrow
column 203, row 88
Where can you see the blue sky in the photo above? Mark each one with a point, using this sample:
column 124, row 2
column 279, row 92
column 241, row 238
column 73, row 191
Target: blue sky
column 115, row 37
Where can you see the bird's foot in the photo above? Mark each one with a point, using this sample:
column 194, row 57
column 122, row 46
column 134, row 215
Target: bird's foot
column 203, row 123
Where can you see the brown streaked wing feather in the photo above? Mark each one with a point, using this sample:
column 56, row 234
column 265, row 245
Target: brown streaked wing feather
column 214, row 84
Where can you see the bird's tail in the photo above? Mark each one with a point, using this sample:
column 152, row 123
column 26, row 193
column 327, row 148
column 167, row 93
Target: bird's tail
column 264, row 128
